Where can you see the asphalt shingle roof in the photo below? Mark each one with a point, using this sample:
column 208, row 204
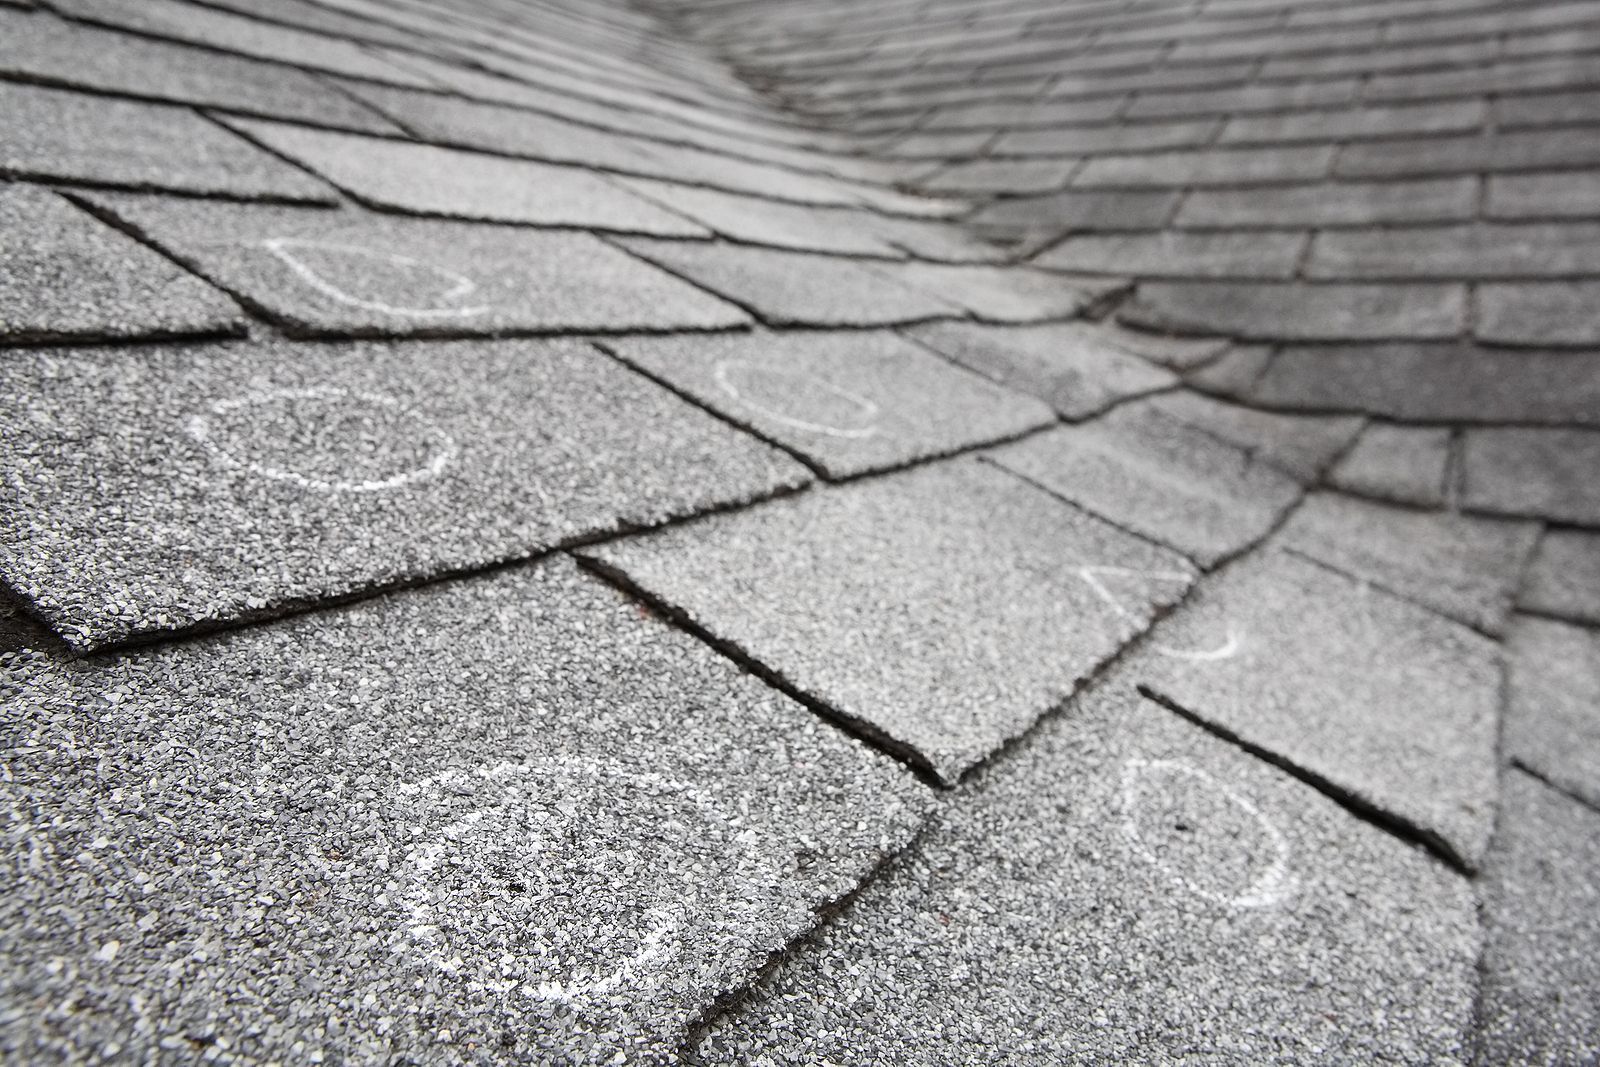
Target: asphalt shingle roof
column 736, row 531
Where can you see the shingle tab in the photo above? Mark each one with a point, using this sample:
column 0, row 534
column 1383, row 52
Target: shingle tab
column 426, row 180
column 1541, row 313
column 795, row 288
column 1564, row 578
column 1464, row 567
column 353, row 273
column 206, row 484
column 1468, row 252
column 849, row 402
column 1179, row 254
column 1541, row 962
column 77, row 137
column 1279, row 311
column 1159, row 477
column 1129, row 886
column 1077, row 369
column 1237, row 166
column 1546, row 473
column 36, row 47
column 902, row 580
column 1332, row 204
column 65, row 276
column 1408, row 464
column 1553, row 712
column 1391, row 707
column 448, row 842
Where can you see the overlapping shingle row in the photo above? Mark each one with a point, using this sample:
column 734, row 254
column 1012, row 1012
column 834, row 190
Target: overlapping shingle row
column 891, row 375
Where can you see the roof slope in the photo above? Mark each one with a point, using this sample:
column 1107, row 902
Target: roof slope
column 780, row 532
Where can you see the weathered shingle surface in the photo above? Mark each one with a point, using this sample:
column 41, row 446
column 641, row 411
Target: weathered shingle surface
column 737, row 531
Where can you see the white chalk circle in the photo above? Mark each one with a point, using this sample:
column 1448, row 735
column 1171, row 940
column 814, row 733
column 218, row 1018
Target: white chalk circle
column 1213, row 842
column 1230, row 645
column 296, row 252
column 743, row 381
column 568, row 880
column 372, row 440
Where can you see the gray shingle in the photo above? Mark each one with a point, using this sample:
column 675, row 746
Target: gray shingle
column 1332, row 204
column 78, row 137
column 1434, row 382
column 1179, row 254
column 1385, row 703
column 1127, row 887
column 65, row 276
column 353, row 273
column 1001, row 294
column 1159, row 477
column 1002, row 176
column 1279, row 311
column 1300, row 445
column 1541, row 963
column 37, row 47
column 1236, row 166
column 1357, row 123
column 173, row 487
column 1465, row 154
column 1564, row 578
column 1553, row 714
column 1546, row 473
column 883, row 601
column 1463, row 567
column 1076, row 368
column 447, row 842
column 769, row 222
column 1407, row 464
column 426, row 180
column 1467, row 252
column 785, row 288
column 849, row 402
column 1559, row 194
column 1540, row 313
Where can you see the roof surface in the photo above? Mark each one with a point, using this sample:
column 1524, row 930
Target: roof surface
column 797, row 532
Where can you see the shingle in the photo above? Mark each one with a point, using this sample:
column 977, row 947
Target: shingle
column 1277, row 311
column 1126, row 887
column 1356, row 123
column 426, row 180
column 1514, row 150
column 1390, row 707
column 228, row 32
column 1435, row 382
column 1467, row 252
column 849, row 402
column 1540, row 313
column 1332, row 204
column 37, row 47
column 1001, row 294
column 352, row 273
column 1302, row 446
column 1076, row 368
column 795, row 288
column 769, row 222
column 65, row 276
column 1075, row 210
column 172, row 487
column 1002, row 176
column 944, row 609
column 1178, row 353
column 1236, row 166
column 1406, row 464
column 1097, row 140
column 1545, row 473
column 447, row 841
column 1548, row 109
column 1553, row 713
column 1564, row 578
column 1463, row 567
column 1159, row 477
column 1245, row 99
column 77, row 137
column 1560, row 194
column 1507, row 76
column 1541, row 962
column 1179, row 254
